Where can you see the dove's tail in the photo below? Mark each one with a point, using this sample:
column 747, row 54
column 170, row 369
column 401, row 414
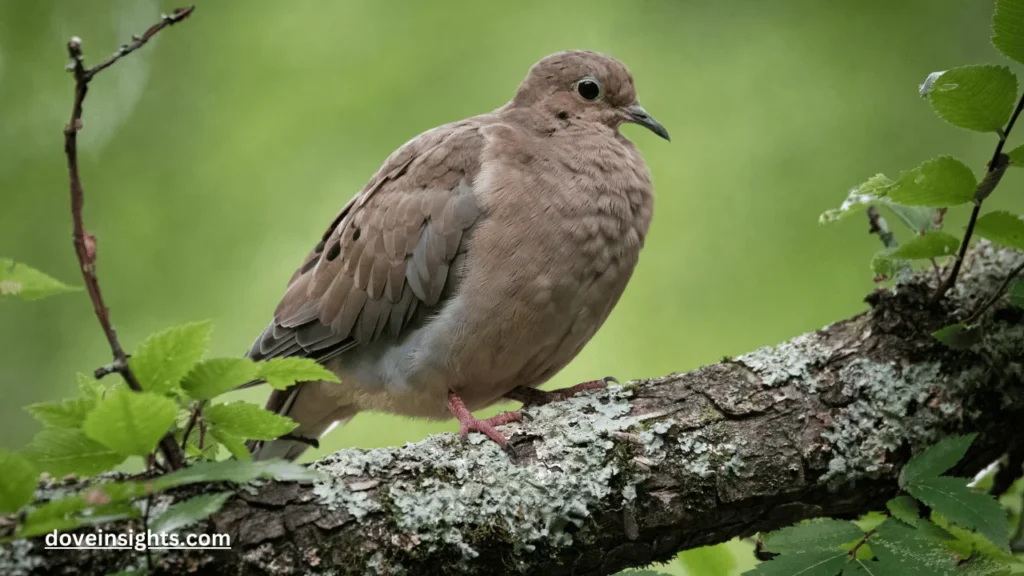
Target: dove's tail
column 314, row 408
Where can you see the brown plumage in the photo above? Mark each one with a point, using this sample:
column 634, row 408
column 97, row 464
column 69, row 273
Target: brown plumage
column 481, row 257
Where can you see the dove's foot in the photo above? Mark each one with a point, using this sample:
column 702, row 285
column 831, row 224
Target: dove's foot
column 534, row 397
column 468, row 423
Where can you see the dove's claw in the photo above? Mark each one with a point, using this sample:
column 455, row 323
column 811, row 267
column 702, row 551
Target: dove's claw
column 468, row 423
column 534, row 397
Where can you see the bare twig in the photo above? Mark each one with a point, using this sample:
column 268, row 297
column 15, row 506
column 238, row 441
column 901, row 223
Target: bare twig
column 191, row 424
column 996, row 168
column 996, row 296
column 85, row 243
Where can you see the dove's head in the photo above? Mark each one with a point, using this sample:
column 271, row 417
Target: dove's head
column 584, row 86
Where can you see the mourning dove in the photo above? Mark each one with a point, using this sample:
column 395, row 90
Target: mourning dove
column 476, row 263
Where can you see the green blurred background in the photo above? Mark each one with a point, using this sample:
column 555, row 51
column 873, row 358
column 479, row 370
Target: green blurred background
column 213, row 159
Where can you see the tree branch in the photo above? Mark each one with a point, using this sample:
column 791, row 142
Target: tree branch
column 85, row 243
column 817, row 426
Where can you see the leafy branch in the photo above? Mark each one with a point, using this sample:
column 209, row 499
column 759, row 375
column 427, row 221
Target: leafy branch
column 974, row 97
column 963, row 532
column 85, row 243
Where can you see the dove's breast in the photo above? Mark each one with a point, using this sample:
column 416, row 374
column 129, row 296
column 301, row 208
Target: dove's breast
column 564, row 223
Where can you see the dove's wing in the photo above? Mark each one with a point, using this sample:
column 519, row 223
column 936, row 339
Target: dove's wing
column 392, row 254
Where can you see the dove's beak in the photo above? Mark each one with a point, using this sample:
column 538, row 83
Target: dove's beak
column 637, row 115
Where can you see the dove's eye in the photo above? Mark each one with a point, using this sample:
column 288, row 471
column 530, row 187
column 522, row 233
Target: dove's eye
column 588, row 88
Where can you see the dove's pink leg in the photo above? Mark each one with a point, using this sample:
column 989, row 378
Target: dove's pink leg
column 534, row 397
column 468, row 423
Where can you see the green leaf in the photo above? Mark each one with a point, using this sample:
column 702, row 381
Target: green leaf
column 821, row 563
column 163, row 359
column 977, row 97
column 930, row 245
column 68, row 413
column 935, row 460
column 859, row 198
column 1008, row 28
column 1017, row 293
column 211, row 378
column 1002, row 227
column 248, row 420
column 131, row 422
column 281, row 373
column 708, row 560
column 905, row 509
column 208, row 452
column 235, row 471
column 189, row 512
column 884, row 265
column 17, row 482
column 234, row 444
column 62, row 451
column 28, row 283
column 908, row 552
column 72, row 512
column 1017, row 156
column 943, row 181
column 953, row 499
column 959, row 336
column 917, row 218
column 812, row 535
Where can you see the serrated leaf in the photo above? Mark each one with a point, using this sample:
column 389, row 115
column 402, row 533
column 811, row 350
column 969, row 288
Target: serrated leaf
column 859, row 198
column 929, row 245
column 280, row 373
column 234, row 444
column 1017, row 293
column 163, row 359
column 62, row 451
column 953, row 499
column 131, row 422
column 236, row 471
column 68, row 413
column 976, row 97
column 959, row 336
column 822, row 563
column 189, row 512
column 905, row 509
column 247, row 420
column 17, row 481
column 812, row 535
column 708, row 560
column 1017, row 156
column 909, row 552
column 27, row 283
column 1001, row 227
column 211, row 378
column 1008, row 28
column 941, row 182
column 935, row 460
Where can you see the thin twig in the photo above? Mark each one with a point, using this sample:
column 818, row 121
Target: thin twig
column 995, row 297
column 996, row 167
column 188, row 428
column 85, row 243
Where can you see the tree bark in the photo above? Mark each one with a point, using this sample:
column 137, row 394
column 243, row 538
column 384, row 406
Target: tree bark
column 817, row 426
